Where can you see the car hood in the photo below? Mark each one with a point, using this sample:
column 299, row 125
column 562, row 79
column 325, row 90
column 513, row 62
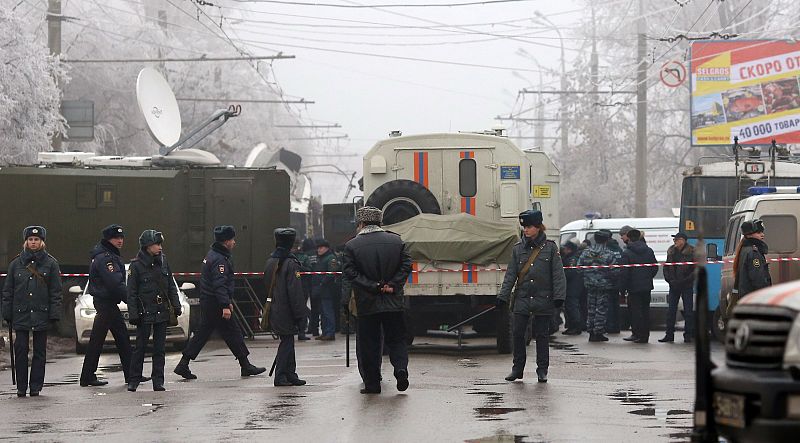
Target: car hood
column 785, row 295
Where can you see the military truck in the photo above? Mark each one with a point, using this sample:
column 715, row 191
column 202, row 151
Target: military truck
column 75, row 195
column 482, row 175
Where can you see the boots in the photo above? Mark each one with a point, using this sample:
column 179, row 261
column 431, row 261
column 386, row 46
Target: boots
column 133, row 385
column 597, row 337
column 541, row 375
column 514, row 375
column 183, row 369
column 402, row 380
column 667, row 339
column 249, row 369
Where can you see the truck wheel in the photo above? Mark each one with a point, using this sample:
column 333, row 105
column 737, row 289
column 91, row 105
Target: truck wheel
column 503, row 331
column 719, row 325
column 79, row 348
column 403, row 199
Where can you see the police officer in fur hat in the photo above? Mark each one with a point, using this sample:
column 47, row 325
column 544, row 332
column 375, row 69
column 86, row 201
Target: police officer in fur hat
column 287, row 304
column 31, row 302
column 536, row 276
column 216, row 306
column 107, row 287
column 751, row 269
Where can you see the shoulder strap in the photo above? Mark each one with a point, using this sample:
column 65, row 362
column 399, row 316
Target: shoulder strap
column 528, row 263
column 32, row 269
column 274, row 278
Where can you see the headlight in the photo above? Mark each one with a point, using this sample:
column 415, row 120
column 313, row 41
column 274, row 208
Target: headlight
column 88, row 312
column 791, row 354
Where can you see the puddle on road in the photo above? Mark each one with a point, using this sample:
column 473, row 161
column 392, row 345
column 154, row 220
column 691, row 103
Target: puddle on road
column 672, row 419
column 633, row 398
column 500, row 438
column 36, row 428
column 468, row 363
column 569, row 348
column 110, row 368
column 154, row 407
column 492, row 406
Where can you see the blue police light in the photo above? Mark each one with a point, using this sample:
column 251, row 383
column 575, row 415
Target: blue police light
column 593, row 216
column 760, row 190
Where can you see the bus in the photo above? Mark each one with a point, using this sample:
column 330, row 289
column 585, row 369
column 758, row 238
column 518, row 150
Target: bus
column 708, row 194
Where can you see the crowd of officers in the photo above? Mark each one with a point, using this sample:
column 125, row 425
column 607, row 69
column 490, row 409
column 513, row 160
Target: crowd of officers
column 541, row 281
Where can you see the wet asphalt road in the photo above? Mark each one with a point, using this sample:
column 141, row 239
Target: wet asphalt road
column 614, row 391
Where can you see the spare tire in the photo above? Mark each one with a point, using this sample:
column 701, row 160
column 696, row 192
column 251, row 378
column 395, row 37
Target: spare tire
column 402, row 199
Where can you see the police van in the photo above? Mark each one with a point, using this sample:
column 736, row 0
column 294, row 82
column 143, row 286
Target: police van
column 779, row 208
column 458, row 196
column 657, row 232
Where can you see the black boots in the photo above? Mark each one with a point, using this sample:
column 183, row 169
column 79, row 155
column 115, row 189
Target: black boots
column 542, row 376
column 183, row 369
column 597, row 337
column 249, row 369
column 667, row 339
column 94, row 382
column 402, row 380
column 133, row 385
column 514, row 375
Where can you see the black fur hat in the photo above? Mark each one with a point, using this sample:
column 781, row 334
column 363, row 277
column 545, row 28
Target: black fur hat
column 224, row 232
column 35, row 231
column 284, row 237
column 113, row 231
column 530, row 218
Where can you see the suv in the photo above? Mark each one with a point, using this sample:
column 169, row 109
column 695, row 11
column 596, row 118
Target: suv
column 756, row 394
column 85, row 312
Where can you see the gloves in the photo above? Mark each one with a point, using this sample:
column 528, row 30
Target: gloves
column 177, row 310
column 559, row 303
column 499, row 302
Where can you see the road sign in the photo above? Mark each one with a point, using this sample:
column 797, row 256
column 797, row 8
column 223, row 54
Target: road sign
column 673, row 73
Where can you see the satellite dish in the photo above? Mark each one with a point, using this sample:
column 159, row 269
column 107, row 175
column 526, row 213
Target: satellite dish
column 159, row 107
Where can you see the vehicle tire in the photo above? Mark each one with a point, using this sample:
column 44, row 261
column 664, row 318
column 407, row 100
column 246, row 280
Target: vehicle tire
column 504, row 343
column 79, row 348
column 66, row 326
column 403, row 199
column 719, row 325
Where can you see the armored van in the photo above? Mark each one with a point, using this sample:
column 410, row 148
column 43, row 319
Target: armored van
column 465, row 192
column 75, row 201
column 779, row 208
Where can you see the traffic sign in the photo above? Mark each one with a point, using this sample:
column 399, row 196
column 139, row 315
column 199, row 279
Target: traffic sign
column 673, row 73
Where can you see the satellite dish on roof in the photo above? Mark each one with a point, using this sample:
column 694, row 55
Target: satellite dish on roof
column 159, row 107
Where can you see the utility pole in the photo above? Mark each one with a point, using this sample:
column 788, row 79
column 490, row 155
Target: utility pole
column 640, row 194
column 54, row 43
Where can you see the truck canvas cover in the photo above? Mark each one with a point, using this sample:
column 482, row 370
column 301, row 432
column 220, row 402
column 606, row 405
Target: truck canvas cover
column 457, row 238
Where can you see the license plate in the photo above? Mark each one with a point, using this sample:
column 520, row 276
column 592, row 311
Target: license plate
column 729, row 409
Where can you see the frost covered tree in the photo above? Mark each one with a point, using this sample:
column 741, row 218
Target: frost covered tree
column 29, row 93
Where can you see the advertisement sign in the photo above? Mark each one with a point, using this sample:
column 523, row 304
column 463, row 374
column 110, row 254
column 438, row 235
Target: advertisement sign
column 745, row 89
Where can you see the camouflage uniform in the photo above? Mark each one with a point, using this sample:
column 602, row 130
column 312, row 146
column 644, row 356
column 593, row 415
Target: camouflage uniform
column 600, row 283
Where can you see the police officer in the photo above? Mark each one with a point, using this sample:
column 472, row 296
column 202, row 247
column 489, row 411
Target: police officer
column 152, row 294
column 31, row 301
column 537, row 293
column 216, row 306
column 751, row 270
column 288, row 305
column 575, row 289
column 107, row 286
column 325, row 288
column 308, row 257
column 600, row 283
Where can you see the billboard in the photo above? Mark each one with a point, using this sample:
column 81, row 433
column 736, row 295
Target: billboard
column 745, row 89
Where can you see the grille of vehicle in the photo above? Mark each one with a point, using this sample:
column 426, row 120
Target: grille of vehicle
column 756, row 336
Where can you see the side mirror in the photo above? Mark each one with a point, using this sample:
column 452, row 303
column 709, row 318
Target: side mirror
column 75, row 290
column 186, row 286
column 711, row 252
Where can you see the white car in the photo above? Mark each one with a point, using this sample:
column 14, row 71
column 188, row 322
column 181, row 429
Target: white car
column 85, row 312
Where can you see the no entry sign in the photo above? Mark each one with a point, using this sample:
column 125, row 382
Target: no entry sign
column 673, row 74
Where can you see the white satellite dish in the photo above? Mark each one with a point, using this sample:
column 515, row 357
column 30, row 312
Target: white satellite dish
column 159, row 107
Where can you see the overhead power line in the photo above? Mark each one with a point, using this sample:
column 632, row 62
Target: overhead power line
column 336, row 125
column 171, row 59
column 388, row 5
column 245, row 100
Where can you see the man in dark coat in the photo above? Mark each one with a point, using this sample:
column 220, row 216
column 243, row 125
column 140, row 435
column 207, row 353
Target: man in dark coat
column 107, row 287
column 287, row 304
column 216, row 306
column 681, row 280
column 575, row 289
column 638, row 283
column 750, row 265
column 31, row 302
column 152, row 299
column 308, row 258
column 377, row 264
column 538, row 293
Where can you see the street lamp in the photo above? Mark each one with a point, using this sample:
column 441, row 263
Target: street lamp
column 564, row 138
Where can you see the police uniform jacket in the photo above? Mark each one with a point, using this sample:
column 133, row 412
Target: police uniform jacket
column 680, row 276
column 574, row 277
column 288, row 302
column 601, row 279
column 325, row 285
column 373, row 258
column 216, row 278
column 107, row 274
column 753, row 272
column 150, row 289
column 542, row 284
column 32, row 299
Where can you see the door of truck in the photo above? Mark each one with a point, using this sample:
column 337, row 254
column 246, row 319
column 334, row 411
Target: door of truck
column 468, row 177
